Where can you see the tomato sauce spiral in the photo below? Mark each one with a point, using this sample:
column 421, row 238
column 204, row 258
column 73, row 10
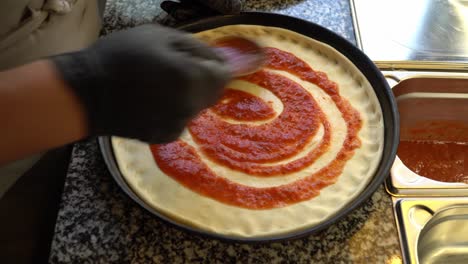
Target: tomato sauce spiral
column 250, row 148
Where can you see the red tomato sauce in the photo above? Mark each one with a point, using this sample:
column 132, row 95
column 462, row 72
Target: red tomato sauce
column 242, row 106
column 249, row 148
column 440, row 161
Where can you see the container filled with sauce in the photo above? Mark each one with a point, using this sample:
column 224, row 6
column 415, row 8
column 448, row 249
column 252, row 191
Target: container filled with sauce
column 433, row 152
column 429, row 178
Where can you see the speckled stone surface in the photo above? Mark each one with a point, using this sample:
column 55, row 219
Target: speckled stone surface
column 98, row 223
column 332, row 14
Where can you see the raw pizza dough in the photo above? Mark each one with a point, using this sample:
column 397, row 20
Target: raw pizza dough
column 183, row 205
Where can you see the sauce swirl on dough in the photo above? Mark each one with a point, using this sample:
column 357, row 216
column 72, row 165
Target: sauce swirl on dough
column 252, row 149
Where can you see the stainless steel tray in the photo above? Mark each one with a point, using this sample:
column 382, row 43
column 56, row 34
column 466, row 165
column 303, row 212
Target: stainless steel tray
column 423, row 34
column 422, row 97
column 433, row 230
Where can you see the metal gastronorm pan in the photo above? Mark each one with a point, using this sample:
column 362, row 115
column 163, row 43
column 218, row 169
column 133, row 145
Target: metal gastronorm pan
column 423, row 100
column 373, row 75
column 433, row 230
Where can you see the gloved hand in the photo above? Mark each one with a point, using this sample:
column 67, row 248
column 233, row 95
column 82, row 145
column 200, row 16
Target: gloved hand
column 194, row 9
column 144, row 83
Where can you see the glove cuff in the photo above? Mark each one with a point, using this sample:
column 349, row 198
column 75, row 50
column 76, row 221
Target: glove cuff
column 80, row 74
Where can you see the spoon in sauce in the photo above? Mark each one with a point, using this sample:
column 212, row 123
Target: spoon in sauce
column 243, row 56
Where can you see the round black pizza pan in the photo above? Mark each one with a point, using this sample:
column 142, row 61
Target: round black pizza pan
column 365, row 65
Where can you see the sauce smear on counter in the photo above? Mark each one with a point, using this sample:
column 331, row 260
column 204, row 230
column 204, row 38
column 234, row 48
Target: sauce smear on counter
column 255, row 148
column 440, row 161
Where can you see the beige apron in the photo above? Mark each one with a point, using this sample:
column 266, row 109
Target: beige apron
column 33, row 29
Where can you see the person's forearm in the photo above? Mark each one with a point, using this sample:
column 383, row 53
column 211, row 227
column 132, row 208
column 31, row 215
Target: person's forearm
column 37, row 111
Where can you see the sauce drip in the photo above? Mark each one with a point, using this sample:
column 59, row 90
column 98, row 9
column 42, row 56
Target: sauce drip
column 249, row 148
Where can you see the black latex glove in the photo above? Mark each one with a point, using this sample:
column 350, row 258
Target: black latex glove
column 144, row 83
column 194, row 9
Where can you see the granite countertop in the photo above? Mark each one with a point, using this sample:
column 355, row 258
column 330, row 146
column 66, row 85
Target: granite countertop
column 98, row 223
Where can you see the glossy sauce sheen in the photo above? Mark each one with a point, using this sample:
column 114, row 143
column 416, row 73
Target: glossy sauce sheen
column 446, row 162
column 247, row 147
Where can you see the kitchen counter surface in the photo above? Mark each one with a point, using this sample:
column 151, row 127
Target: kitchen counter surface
column 98, row 223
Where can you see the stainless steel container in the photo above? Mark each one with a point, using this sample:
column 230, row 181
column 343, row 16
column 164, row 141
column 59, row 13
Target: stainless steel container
column 444, row 238
column 433, row 230
column 427, row 101
column 432, row 216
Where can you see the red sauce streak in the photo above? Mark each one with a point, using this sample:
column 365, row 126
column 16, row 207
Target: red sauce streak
column 246, row 147
column 446, row 162
column 242, row 106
